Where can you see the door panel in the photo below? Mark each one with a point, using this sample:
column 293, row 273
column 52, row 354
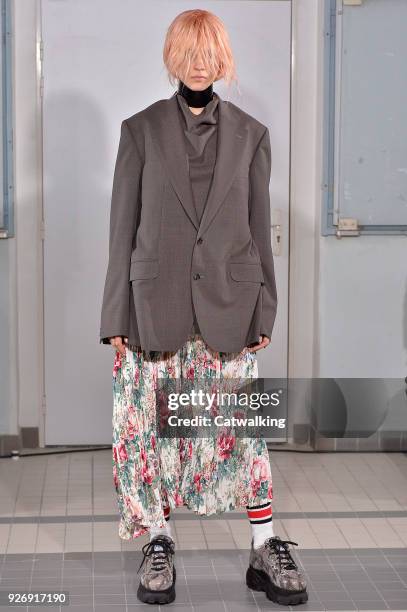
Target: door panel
column 102, row 63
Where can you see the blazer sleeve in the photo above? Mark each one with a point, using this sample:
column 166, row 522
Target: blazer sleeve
column 124, row 208
column 260, row 227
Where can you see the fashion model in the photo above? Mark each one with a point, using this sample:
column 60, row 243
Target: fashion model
column 190, row 292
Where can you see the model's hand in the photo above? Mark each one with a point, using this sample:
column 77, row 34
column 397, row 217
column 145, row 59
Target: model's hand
column 263, row 342
column 118, row 344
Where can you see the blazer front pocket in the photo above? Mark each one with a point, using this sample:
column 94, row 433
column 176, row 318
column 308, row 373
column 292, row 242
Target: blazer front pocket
column 143, row 269
column 242, row 271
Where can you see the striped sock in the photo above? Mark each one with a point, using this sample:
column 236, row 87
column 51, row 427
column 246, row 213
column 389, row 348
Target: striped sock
column 261, row 521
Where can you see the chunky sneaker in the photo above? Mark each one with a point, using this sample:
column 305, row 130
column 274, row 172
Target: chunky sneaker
column 273, row 570
column 157, row 581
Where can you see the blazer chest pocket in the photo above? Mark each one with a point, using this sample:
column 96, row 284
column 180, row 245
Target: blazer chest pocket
column 242, row 271
column 143, row 269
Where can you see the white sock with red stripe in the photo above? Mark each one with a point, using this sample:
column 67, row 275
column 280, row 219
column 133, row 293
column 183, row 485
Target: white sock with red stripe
column 261, row 521
column 166, row 530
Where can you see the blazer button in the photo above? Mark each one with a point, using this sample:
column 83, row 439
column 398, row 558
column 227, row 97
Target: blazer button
column 199, row 241
column 196, row 276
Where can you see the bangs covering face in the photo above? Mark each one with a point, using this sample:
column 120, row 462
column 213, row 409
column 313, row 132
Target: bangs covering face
column 197, row 33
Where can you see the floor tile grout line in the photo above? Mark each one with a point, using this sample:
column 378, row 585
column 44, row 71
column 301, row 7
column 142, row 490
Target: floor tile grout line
column 344, row 535
column 289, row 488
column 218, row 585
column 204, row 534
column 310, row 584
column 232, row 551
column 108, row 518
column 331, row 480
column 374, row 586
column 361, row 484
column 32, row 570
column 38, row 528
column 372, row 583
column 313, row 532
column 15, row 505
column 93, row 531
column 3, row 561
column 404, row 582
column 374, row 474
column 186, row 583
column 36, row 534
column 356, row 481
column 388, row 524
column 341, row 582
column 343, row 493
column 393, row 529
column 124, row 582
column 68, row 470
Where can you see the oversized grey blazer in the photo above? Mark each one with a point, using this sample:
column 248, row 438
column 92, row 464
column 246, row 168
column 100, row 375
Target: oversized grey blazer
column 161, row 258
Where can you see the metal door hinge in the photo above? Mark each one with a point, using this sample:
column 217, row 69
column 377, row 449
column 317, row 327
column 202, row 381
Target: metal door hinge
column 347, row 227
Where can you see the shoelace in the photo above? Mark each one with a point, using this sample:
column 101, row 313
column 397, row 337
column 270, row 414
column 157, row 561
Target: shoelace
column 160, row 557
column 280, row 547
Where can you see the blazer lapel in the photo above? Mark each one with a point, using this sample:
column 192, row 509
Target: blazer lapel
column 169, row 136
column 230, row 147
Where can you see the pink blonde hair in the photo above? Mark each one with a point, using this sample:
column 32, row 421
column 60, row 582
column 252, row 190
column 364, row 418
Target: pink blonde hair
column 197, row 31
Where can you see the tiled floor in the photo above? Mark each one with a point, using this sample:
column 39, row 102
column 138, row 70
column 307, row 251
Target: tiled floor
column 347, row 511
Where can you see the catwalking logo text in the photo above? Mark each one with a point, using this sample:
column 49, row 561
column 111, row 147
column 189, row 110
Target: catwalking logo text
column 222, row 421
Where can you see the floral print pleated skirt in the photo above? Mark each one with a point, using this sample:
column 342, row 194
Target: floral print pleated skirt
column 207, row 475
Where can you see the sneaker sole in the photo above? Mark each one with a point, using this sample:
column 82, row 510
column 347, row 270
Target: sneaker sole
column 258, row 580
column 157, row 597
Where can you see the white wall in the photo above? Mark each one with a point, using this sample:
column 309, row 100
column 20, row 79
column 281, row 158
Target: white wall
column 306, row 168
